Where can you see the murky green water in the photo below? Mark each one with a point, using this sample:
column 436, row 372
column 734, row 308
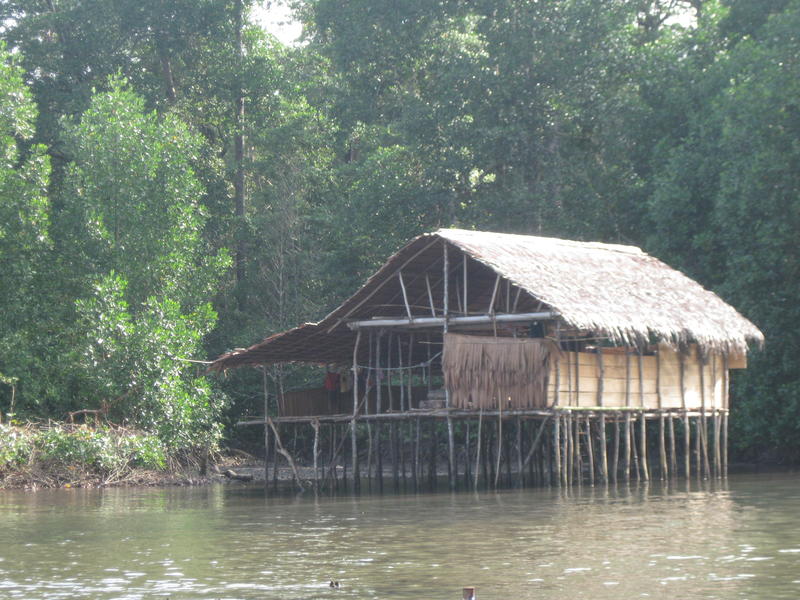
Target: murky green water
column 740, row 539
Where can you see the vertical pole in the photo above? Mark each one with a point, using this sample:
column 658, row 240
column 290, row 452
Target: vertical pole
column 565, row 450
column 643, row 445
column 717, row 450
column 589, row 449
column 353, row 430
column 450, row 443
column 603, row 449
column 703, row 417
column 466, row 305
column 266, row 427
column 726, row 407
column 315, row 425
column 557, row 447
column 600, row 377
column 379, row 376
column 725, row 444
column 658, row 379
column 626, row 466
column 615, row 470
column 520, row 473
column 662, row 446
column 415, row 469
column 687, row 452
column 627, row 463
column 467, row 459
column 634, row 451
column 698, row 442
column 499, row 442
column 673, row 457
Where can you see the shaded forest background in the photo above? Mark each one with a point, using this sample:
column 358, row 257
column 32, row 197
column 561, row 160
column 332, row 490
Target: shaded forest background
column 175, row 182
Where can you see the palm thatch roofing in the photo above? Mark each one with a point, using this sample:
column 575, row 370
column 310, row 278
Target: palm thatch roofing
column 612, row 290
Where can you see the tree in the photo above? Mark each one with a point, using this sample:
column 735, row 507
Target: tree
column 24, row 225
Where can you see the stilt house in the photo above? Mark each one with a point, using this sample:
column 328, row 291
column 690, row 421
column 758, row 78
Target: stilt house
column 463, row 323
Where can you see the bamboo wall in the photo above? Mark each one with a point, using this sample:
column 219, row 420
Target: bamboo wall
column 631, row 380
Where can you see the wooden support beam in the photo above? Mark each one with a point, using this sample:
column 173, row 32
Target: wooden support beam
column 557, row 447
column 643, row 447
column 353, row 428
column 422, row 322
column 627, row 463
column 490, row 310
column 601, row 372
column 430, row 295
column 687, row 451
column 380, row 285
column 603, row 449
column 673, row 456
column 662, row 447
column 589, row 449
column 405, row 295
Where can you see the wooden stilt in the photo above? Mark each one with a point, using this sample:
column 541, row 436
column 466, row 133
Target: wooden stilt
column 570, row 458
column 332, row 459
column 662, row 446
column 395, row 457
column 687, row 453
column 673, row 457
column 315, row 425
column 634, row 452
column 520, row 473
column 403, row 447
column 379, row 455
column 603, row 449
column 435, row 457
column 698, row 443
column 626, row 467
column 557, row 447
column 643, row 445
column 275, row 466
column 353, row 427
column 703, row 417
column 565, row 449
column 725, row 443
column 467, row 459
column 369, row 455
column 576, row 448
column 499, row 444
column 589, row 449
column 266, row 427
column 478, row 450
column 717, row 453
column 507, row 459
column 415, row 473
column 615, row 464
column 486, row 461
column 266, row 454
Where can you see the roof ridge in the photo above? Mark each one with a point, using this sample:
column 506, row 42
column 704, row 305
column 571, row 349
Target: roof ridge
column 623, row 248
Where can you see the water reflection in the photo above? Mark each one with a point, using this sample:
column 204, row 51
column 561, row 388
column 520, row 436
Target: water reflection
column 734, row 539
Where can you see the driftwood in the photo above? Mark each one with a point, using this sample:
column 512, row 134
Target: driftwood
column 231, row 474
column 282, row 451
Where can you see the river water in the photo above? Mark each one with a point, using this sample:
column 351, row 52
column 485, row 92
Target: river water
column 733, row 539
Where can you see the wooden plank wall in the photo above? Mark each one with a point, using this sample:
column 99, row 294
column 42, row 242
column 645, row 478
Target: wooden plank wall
column 650, row 382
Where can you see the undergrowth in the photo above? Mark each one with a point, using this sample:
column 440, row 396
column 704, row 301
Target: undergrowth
column 64, row 454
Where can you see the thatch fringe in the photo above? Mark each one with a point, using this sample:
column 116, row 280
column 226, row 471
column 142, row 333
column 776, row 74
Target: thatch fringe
column 487, row 372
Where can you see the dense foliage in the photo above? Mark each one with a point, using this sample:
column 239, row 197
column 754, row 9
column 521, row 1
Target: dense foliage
column 176, row 182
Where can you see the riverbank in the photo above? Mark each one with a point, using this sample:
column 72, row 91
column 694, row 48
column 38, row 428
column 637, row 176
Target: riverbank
column 64, row 455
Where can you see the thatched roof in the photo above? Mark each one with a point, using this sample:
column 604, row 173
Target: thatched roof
column 611, row 290
column 617, row 290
